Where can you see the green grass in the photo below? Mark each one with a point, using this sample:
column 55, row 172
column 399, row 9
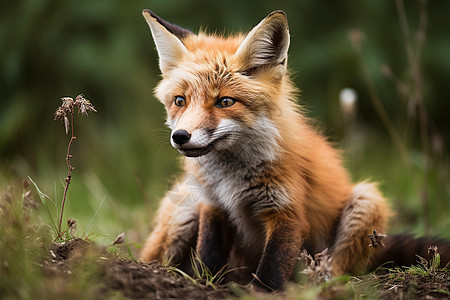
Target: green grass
column 24, row 244
column 343, row 287
column 201, row 273
column 26, row 234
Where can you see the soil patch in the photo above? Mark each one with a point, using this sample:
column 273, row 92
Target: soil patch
column 137, row 280
column 133, row 279
column 410, row 286
column 152, row 281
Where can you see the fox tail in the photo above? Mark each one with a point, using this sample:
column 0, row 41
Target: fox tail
column 403, row 249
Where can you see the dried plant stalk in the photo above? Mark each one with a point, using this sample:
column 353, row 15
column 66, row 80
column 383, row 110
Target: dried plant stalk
column 65, row 112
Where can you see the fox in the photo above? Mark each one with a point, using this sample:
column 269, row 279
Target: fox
column 270, row 183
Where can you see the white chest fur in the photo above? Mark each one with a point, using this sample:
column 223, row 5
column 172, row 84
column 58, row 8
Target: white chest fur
column 240, row 180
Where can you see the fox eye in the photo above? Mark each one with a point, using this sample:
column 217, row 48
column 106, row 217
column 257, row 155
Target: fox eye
column 180, row 101
column 225, row 102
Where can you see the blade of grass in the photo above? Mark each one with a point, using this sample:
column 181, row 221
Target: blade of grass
column 96, row 213
column 184, row 274
column 44, row 198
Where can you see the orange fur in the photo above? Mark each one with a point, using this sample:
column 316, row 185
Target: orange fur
column 271, row 181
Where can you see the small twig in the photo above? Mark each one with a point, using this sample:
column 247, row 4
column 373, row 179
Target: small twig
column 63, row 112
column 69, row 174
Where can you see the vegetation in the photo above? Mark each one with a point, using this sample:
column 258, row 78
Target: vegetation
column 395, row 130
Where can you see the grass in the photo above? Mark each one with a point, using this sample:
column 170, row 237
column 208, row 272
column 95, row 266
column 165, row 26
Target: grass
column 201, row 273
column 424, row 279
column 25, row 234
column 24, row 246
column 27, row 269
column 343, row 287
column 25, row 239
column 20, row 238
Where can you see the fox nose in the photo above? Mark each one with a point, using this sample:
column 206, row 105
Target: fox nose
column 181, row 136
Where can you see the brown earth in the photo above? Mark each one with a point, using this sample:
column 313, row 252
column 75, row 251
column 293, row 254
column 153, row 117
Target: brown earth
column 132, row 278
column 137, row 280
column 409, row 286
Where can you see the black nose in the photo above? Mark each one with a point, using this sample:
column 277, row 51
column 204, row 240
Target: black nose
column 181, row 136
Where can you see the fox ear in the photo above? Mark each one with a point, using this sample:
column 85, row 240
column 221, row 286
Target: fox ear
column 168, row 40
column 266, row 45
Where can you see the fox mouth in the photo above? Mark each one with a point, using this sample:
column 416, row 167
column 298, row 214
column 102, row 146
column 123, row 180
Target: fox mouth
column 199, row 151
column 196, row 152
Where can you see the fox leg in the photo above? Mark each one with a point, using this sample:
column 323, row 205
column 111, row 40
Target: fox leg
column 284, row 237
column 176, row 229
column 214, row 237
column 366, row 210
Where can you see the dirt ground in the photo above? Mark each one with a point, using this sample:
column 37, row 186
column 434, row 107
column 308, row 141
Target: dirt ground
column 436, row 286
column 137, row 280
column 132, row 278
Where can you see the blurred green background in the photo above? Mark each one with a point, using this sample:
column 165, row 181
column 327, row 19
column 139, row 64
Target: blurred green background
column 122, row 157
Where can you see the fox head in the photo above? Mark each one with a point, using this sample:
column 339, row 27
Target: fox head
column 221, row 93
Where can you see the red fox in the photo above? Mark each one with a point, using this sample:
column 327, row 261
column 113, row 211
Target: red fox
column 270, row 184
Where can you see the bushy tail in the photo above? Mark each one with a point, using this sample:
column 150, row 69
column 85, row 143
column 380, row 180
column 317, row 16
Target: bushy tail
column 401, row 250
